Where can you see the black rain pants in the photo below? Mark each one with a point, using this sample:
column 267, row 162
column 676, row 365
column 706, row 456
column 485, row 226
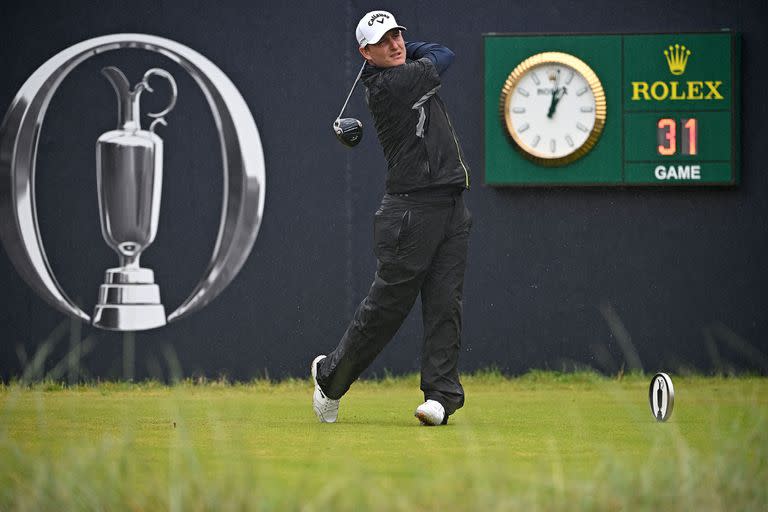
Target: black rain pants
column 420, row 242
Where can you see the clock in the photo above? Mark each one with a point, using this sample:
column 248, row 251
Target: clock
column 553, row 108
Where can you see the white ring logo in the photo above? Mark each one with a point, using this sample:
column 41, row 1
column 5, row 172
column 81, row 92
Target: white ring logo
column 243, row 169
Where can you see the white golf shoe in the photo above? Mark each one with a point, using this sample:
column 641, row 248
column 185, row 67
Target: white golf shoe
column 431, row 413
column 326, row 409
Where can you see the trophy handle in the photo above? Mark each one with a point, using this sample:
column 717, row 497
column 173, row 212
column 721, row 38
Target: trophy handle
column 174, row 90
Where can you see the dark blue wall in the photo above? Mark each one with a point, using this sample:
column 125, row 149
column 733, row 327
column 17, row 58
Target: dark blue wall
column 557, row 277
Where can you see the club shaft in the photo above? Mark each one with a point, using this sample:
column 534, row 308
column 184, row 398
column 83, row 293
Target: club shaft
column 351, row 90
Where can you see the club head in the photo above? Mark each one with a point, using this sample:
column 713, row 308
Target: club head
column 348, row 130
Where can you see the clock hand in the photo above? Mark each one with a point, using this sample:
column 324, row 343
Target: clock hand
column 555, row 96
column 559, row 95
column 553, row 106
column 555, row 100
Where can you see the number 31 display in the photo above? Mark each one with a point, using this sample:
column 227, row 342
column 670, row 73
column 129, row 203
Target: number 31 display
column 667, row 137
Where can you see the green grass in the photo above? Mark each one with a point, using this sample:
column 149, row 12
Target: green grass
column 543, row 441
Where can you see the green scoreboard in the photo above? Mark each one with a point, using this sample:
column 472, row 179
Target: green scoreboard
column 619, row 109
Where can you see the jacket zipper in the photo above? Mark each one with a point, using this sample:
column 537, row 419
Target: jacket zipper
column 458, row 150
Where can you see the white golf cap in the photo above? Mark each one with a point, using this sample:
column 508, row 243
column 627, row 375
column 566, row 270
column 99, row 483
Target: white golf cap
column 374, row 25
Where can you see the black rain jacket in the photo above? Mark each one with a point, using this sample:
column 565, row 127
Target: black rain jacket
column 414, row 130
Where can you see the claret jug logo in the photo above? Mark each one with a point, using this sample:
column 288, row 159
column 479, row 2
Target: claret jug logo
column 129, row 181
column 677, row 56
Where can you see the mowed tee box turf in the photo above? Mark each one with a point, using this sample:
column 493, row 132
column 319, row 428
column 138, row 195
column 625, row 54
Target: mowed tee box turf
column 540, row 442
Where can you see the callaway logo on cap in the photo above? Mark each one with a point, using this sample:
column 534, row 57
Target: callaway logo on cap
column 374, row 25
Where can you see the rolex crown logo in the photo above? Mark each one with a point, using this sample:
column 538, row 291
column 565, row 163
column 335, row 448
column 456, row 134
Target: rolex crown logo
column 677, row 58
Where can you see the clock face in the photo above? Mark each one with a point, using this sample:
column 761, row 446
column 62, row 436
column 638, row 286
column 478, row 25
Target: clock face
column 553, row 107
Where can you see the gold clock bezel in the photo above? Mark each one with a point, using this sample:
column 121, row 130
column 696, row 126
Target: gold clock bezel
column 594, row 83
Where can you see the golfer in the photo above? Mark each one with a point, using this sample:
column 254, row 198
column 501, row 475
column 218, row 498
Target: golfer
column 421, row 228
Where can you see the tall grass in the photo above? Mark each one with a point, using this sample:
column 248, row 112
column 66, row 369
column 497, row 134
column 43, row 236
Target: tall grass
column 570, row 440
column 544, row 441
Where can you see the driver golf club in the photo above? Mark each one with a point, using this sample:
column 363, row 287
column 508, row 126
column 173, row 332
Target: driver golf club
column 348, row 129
